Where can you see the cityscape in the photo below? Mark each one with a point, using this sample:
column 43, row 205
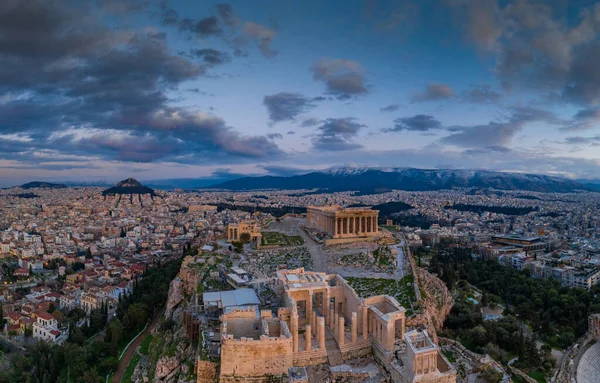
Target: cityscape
column 299, row 191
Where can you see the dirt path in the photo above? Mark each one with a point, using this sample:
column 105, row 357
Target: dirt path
column 124, row 362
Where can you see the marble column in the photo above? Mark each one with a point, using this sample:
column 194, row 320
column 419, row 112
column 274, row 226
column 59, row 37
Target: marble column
column 294, row 323
column 354, row 327
column 341, row 331
column 336, row 322
column 326, row 303
column 321, row 333
column 365, row 328
column 313, row 324
column 309, row 306
column 391, row 335
column 308, row 337
column 331, row 319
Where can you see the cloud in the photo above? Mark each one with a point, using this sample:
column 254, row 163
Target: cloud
column 390, row 108
column 535, row 46
column 584, row 119
column 497, row 134
column 344, row 78
column 337, row 134
column 263, row 36
column 434, row 92
column 225, row 12
column 286, row 106
column 481, row 94
column 273, row 136
column 310, row 122
column 205, row 27
column 283, row 170
column 211, row 56
column 594, row 141
column 93, row 91
column 416, row 123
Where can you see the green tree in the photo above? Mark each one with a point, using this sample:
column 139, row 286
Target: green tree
column 245, row 237
column 491, row 375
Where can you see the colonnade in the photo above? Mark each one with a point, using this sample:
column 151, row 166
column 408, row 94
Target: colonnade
column 355, row 225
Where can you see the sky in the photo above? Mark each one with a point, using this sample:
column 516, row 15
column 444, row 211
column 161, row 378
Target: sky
column 103, row 90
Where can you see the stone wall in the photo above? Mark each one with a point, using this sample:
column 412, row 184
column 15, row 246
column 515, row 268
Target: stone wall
column 255, row 358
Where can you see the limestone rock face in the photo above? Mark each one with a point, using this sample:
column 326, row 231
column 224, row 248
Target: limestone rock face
column 437, row 301
column 190, row 276
column 175, row 296
column 165, row 366
column 184, row 285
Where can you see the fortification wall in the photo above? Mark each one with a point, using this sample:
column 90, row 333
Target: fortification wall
column 253, row 358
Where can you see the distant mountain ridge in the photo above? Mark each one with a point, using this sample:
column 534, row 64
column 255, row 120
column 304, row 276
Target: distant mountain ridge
column 128, row 186
column 377, row 180
column 41, row 184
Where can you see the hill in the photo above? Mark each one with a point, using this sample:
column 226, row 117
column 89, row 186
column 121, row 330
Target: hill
column 128, row 186
column 378, row 180
column 40, row 184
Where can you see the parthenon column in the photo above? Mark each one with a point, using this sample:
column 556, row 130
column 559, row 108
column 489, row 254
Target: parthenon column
column 376, row 224
column 341, row 331
column 368, row 224
column 335, row 226
column 365, row 328
column 313, row 323
column 345, row 225
column 321, row 333
column 354, row 327
column 308, row 337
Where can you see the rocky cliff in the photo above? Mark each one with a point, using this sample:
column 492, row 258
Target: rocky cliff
column 171, row 356
column 183, row 286
column 436, row 300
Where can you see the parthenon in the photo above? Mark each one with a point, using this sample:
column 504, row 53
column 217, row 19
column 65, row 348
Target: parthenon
column 342, row 223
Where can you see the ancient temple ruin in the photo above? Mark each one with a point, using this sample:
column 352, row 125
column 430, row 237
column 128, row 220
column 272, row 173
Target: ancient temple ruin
column 323, row 320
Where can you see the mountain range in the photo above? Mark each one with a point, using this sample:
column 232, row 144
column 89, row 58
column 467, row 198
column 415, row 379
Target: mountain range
column 377, row 180
column 128, row 186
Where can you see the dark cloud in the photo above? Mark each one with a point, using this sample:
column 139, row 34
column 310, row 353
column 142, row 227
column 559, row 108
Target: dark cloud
column 208, row 26
column 583, row 120
column 263, row 36
column 337, row 134
column 286, row 106
column 343, row 78
column 434, row 92
column 283, row 170
column 390, row 108
column 594, row 141
column 481, row 94
column 417, row 123
column 497, row 134
column 225, row 12
column 211, row 56
column 536, row 46
column 273, row 136
column 85, row 89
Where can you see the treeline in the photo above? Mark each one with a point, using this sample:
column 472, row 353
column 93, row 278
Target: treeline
column 275, row 211
column 88, row 361
column 557, row 314
column 508, row 210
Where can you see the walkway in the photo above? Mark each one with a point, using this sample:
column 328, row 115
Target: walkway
column 124, row 361
column 315, row 249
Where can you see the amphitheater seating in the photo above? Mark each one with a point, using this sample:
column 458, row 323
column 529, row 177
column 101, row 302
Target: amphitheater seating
column 588, row 370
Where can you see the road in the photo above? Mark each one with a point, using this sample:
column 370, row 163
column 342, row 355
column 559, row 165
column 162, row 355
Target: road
column 316, row 251
column 400, row 269
column 124, row 361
